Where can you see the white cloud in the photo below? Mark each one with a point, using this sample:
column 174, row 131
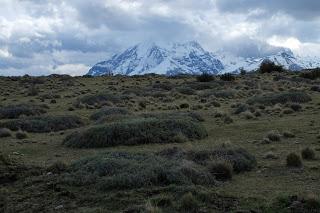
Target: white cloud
column 38, row 36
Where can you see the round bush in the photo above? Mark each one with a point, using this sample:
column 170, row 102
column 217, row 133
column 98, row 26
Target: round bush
column 294, row 160
column 308, row 154
column 4, row 132
column 138, row 131
column 21, row 135
column 221, row 170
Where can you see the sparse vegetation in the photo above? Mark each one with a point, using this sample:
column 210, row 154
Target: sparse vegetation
column 138, row 131
column 44, row 123
column 280, row 98
column 151, row 143
column 15, row 111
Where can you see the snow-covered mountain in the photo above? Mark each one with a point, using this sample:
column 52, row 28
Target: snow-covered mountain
column 190, row 58
column 148, row 57
column 233, row 64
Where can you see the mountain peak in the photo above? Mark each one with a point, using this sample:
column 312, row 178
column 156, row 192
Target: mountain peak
column 190, row 58
column 148, row 57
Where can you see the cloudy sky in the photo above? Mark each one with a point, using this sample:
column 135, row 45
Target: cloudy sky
column 68, row 36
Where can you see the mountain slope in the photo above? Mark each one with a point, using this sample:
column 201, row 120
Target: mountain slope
column 191, row 58
column 178, row 58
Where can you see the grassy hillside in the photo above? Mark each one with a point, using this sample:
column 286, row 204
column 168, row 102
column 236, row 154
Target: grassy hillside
column 247, row 143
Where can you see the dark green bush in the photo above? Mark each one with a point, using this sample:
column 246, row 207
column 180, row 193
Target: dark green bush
column 225, row 94
column 308, row 154
column 281, row 98
column 274, row 136
column 227, row 77
column 21, row 135
column 221, row 170
column 189, row 203
column 122, row 170
column 15, row 111
column 186, row 91
column 294, row 160
column 269, row 67
column 240, row 159
column 205, row 77
column 57, row 167
column 109, row 111
column 44, row 123
column 138, row 131
column 4, row 132
column 184, row 106
column 98, row 99
column 311, row 74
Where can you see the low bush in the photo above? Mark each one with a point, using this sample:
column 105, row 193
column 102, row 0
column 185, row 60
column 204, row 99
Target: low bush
column 280, row 98
column 269, row 67
column 57, row 167
column 240, row 159
column 43, row 123
column 227, row 77
column 189, row 203
column 274, row 136
column 137, row 131
column 98, row 99
column 109, row 111
column 4, row 132
column 311, row 74
column 21, row 135
column 221, row 170
column 294, row 160
column 186, row 91
column 15, row 111
column 205, row 77
column 225, row 94
column 122, row 170
column 308, row 154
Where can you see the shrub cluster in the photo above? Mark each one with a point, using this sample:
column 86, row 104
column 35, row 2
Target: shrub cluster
column 269, row 67
column 311, row 74
column 227, row 77
column 240, row 159
column 109, row 111
column 97, row 99
column 205, row 77
column 122, row 170
column 15, row 111
column 281, row 98
column 137, row 131
column 44, row 123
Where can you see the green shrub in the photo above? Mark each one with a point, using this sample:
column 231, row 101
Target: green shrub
column 109, row 111
column 186, row 91
column 294, row 160
column 288, row 134
column 205, row 77
column 21, row 135
column 122, row 170
column 15, row 111
column 184, row 106
column 311, row 74
column 98, row 99
column 221, row 170
column 274, row 136
column 240, row 159
column 57, row 167
column 44, row 123
column 308, row 154
column 269, row 67
column 225, row 94
column 138, row 131
column 4, row 132
column 280, row 98
column 189, row 203
column 227, row 77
